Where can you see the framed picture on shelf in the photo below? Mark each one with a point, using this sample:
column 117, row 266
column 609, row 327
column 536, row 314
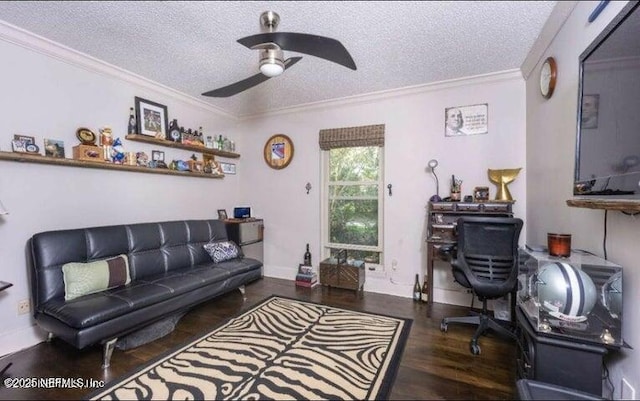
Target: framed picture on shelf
column 151, row 118
column 222, row 214
column 228, row 168
column 24, row 138
column 157, row 155
column 54, row 148
column 18, row 146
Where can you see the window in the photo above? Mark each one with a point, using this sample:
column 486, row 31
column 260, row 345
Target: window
column 352, row 197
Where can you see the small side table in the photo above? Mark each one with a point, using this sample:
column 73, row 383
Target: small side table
column 3, row 286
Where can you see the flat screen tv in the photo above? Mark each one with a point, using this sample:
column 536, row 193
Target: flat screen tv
column 608, row 133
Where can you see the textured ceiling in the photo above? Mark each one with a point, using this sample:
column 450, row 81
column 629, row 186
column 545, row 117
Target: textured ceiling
column 191, row 45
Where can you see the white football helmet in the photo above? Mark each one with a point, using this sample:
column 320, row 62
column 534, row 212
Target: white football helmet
column 565, row 291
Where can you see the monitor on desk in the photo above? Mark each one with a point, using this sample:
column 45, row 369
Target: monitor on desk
column 242, row 212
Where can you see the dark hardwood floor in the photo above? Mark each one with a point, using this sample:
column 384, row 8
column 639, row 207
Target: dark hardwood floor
column 434, row 365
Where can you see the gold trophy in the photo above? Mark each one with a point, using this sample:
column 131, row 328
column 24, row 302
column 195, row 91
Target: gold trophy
column 501, row 178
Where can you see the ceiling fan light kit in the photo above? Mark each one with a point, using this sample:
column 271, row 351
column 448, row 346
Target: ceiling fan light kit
column 271, row 63
column 271, row 57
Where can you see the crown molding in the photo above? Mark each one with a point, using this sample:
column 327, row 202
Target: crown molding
column 31, row 41
column 391, row 93
column 559, row 15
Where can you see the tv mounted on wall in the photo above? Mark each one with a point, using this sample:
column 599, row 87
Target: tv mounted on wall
column 608, row 134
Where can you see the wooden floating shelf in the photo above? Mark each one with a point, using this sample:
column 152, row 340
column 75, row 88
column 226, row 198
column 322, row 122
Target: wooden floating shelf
column 626, row 205
column 178, row 145
column 36, row 158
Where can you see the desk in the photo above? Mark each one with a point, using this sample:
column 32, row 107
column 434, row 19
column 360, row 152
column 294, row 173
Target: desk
column 441, row 221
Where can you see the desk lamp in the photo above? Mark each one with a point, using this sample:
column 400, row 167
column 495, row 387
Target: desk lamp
column 433, row 163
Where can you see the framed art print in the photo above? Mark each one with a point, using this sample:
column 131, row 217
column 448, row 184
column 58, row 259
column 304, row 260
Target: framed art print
column 54, row 148
column 466, row 120
column 228, row 168
column 151, row 118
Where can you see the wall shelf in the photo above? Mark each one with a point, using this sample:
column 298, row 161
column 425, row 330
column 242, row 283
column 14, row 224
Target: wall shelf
column 627, row 205
column 34, row 158
column 177, row 145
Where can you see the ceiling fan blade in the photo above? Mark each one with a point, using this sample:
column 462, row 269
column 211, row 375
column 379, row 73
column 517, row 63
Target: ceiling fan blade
column 245, row 84
column 319, row 46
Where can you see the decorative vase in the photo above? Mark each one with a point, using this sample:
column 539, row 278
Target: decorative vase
column 502, row 178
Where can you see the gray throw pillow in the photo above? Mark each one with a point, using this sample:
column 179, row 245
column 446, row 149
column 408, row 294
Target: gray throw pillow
column 223, row 250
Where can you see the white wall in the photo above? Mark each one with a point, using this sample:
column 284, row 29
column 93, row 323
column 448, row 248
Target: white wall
column 551, row 134
column 51, row 93
column 45, row 97
column 414, row 122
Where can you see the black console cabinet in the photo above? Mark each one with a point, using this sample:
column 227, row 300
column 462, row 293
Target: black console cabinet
column 551, row 359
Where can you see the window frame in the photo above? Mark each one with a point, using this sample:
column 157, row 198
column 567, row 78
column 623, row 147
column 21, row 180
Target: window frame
column 325, row 192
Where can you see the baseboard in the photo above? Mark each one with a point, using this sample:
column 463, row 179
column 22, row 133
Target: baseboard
column 18, row 340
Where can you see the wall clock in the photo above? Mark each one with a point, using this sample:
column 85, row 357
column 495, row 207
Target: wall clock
column 548, row 76
column 278, row 151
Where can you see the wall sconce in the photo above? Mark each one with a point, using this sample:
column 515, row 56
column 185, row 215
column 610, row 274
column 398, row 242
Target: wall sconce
column 433, row 163
column 3, row 211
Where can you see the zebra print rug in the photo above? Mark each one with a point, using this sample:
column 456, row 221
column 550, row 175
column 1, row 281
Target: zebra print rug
column 280, row 349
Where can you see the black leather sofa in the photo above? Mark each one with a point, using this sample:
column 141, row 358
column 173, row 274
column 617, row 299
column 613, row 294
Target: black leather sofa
column 170, row 272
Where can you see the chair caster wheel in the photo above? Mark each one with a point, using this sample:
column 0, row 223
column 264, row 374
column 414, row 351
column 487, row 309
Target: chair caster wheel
column 443, row 327
column 475, row 349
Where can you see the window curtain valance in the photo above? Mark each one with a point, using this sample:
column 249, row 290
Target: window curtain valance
column 366, row 135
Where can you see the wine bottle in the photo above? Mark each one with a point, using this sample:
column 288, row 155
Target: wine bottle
column 424, row 296
column 416, row 290
column 132, row 122
column 307, row 257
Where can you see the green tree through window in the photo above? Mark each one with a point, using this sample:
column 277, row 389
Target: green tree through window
column 354, row 201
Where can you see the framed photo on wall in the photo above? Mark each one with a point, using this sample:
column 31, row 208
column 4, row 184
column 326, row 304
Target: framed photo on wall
column 151, row 118
column 466, row 120
column 228, row 168
column 278, row 151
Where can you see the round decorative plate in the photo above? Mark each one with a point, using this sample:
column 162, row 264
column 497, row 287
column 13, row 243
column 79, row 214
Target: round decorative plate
column 32, row 148
column 86, row 136
column 278, row 151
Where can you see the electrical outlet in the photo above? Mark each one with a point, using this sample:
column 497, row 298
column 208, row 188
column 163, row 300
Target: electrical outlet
column 627, row 391
column 24, row 307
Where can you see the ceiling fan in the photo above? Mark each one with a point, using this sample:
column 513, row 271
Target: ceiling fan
column 271, row 46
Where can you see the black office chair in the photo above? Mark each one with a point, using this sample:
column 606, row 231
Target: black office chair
column 486, row 261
